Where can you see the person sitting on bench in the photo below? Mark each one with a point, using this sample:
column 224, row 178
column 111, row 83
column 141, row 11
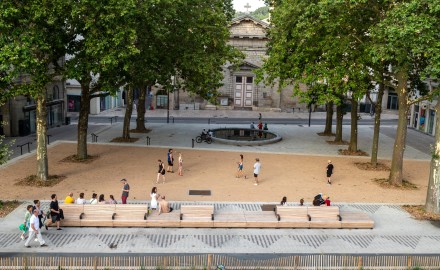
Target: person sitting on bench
column 164, row 206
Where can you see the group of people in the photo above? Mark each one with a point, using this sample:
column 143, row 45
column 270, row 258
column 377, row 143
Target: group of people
column 240, row 173
column 159, row 203
column 317, row 201
column 34, row 219
column 94, row 200
column 170, row 158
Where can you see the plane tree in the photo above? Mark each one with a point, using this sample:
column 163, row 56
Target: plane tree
column 33, row 38
column 407, row 39
column 105, row 41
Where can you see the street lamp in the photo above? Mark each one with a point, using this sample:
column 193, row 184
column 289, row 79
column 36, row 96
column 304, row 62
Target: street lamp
column 168, row 106
column 312, row 101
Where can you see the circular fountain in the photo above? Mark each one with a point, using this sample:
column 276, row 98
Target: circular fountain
column 244, row 136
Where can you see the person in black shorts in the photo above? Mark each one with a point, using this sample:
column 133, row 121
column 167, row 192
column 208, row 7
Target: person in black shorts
column 55, row 211
column 170, row 161
column 330, row 168
column 160, row 172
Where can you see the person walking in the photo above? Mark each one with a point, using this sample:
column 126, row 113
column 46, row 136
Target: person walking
column 37, row 205
column 125, row 191
column 180, row 164
column 240, row 168
column 170, row 161
column 160, row 171
column 34, row 230
column 330, row 169
column 24, row 228
column 257, row 168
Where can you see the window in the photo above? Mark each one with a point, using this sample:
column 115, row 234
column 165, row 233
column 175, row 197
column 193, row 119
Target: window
column 238, row 79
column 249, row 79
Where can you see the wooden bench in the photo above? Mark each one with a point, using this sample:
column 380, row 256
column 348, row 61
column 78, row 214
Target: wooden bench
column 164, row 220
column 130, row 215
column 72, row 214
column 356, row 220
column 197, row 216
column 234, row 219
column 326, row 217
column 97, row 215
column 292, row 217
column 261, row 219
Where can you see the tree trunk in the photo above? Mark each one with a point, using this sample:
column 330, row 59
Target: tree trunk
column 396, row 172
column 328, row 119
column 339, row 118
column 128, row 112
column 433, row 195
column 83, row 122
column 140, row 120
column 41, row 117
column 378, row 111
column 352, row 147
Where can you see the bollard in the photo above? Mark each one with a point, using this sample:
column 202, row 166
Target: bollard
column 192, row 143
column 148, row 140
column 48, row 138
column 173, row 119
column 94, row 137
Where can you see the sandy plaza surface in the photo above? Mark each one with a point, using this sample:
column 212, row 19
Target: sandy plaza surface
column 292, row 175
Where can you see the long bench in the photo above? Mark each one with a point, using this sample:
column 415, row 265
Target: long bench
column 194, row 216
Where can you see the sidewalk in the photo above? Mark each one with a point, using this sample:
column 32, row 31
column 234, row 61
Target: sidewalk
column 303, row 114
column 395, row 232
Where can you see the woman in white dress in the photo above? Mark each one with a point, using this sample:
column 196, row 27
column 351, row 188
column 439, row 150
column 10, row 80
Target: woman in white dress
column 154, row 197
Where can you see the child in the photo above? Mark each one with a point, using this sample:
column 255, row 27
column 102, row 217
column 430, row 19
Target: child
column 25, row 226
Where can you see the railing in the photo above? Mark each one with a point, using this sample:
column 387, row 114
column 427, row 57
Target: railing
column 21, row 147
column 113, row 118
column 210, row 262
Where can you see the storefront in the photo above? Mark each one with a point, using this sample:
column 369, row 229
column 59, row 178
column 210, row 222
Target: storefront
column 54, row 117
column 422, row 117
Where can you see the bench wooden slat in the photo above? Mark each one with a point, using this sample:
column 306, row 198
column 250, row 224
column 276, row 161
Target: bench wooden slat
column 356, row 220
column 261, row 219
column 71, row 213
column 129, row 215
column 230, row 220
column 196, row 216
column 164, row 220
column 292, row 216
column 324, row 217
column 98, row 215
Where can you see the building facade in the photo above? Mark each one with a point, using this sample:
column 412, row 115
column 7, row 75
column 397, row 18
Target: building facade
column 97, row 105
column 18, row 114
column 240, row 90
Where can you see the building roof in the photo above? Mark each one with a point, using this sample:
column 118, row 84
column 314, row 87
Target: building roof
column 248, row 17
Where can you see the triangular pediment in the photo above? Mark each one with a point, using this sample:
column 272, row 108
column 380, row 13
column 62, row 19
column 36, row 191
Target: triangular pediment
column 245, row 65
column 248, row 27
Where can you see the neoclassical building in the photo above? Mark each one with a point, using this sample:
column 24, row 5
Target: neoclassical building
column 240, row 90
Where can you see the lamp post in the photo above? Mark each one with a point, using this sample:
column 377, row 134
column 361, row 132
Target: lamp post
column 312, row 101
column 168, row 106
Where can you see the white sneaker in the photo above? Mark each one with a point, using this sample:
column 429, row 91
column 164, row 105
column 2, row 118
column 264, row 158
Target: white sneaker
column 22, row 237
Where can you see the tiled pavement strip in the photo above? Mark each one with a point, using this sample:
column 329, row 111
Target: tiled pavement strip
column 395, row 231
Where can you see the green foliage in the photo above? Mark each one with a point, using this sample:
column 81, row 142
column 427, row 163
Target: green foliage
column 260, row 13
